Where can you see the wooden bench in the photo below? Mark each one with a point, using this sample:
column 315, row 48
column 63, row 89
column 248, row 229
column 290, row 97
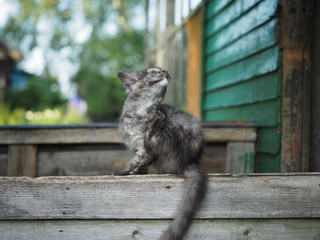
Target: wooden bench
column 95, row 149
column 257, row 206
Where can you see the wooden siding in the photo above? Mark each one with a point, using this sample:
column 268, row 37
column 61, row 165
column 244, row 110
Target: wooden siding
column 242, row 74
column 140, row 207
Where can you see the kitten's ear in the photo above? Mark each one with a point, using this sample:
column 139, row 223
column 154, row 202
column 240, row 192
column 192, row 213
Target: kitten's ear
column 128, row 78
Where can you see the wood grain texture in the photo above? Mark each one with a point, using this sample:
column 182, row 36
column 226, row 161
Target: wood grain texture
column 93, row 135
column 194, row 65
column 295, row 42
column 230, row 134
column 246, row 92
column 246, row 23
column 151, row 229
column 81, row 160
column 227, row 15
column 257, row 40
column 261, row 113
column 68, row 135
column 256, row 65
column 240, row 157
column 156, row 197
column 22, row 160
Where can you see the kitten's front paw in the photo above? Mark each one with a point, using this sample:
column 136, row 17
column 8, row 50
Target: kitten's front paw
column 121, row 173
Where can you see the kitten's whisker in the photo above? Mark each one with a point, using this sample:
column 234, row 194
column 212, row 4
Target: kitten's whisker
column 178, row 74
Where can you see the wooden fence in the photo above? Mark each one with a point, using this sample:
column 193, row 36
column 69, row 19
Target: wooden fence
column 277, row 206
column 96, row 150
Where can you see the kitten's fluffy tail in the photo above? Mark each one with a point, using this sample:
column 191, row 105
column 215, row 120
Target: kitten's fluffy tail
column 194, row 191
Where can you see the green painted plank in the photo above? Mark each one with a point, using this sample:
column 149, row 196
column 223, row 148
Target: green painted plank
column 262, row 113
column 215, row 6
column 268, row 163
column 269, row 140
column 255, row 41
column 229, row 14
column 259, row 89
column 262, row 63
column 257, row 16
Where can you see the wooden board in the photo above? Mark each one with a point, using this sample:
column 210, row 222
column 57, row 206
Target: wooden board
column 194, row 64
column 253, row 19
column 256, row 65
column 22, row 160
column 296, row 51
column 151, row 229
column 3, row 160
column 267, row 163
column 315, row 86
column 80, row 160
column 246, row 92
column 92, row 160
column 269, row 141
column 230, row 134
column 99, row 135
column 51, row 135
column 156, row 197
column 260, row 114
column 215, row 6
column 257, row 40
column 240, row 157
column 229, row 14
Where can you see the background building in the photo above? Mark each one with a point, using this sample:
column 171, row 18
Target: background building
column 245, row 62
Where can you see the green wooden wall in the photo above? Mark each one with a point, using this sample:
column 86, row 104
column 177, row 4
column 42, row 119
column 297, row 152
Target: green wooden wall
column 242, row 71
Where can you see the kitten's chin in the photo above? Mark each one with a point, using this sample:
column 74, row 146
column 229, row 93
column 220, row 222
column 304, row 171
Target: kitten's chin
column 163, row 82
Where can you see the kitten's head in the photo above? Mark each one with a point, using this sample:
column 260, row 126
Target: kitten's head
column 152, row 81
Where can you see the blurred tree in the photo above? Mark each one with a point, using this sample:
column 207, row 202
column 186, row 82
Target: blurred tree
column 99, row 36
column 38, row 95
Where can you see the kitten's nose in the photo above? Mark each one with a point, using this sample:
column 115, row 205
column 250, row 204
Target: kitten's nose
column 167, row 74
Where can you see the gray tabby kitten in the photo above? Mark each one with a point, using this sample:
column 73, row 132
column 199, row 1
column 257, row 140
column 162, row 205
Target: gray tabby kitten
column 165, row 137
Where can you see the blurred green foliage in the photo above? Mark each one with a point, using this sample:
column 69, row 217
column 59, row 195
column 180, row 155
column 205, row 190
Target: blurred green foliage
column 38, row 95
column 57, row 115
column 95, row 60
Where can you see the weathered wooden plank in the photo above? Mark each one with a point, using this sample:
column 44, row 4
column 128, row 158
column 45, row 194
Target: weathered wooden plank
column 255, row 41
column 151, row 229
column 93, row 160
column 267, row 163
column 215, row 6
column 247, row 92
column 240, row 157
column 22, row 160
column 87, row 135
column 261, row 113
column 315, row 97
column 229, row 14
column 3, row 160
column 295, row 42
column 156, row 197
column 81, row 160
column 230, row 134
column 194, row 65
column 257, row 16
column 50, row 135
column 262, row 63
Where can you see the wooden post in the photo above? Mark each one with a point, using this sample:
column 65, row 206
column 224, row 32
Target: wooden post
column 22, row 160
column 296, row 65
column 194, row 64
